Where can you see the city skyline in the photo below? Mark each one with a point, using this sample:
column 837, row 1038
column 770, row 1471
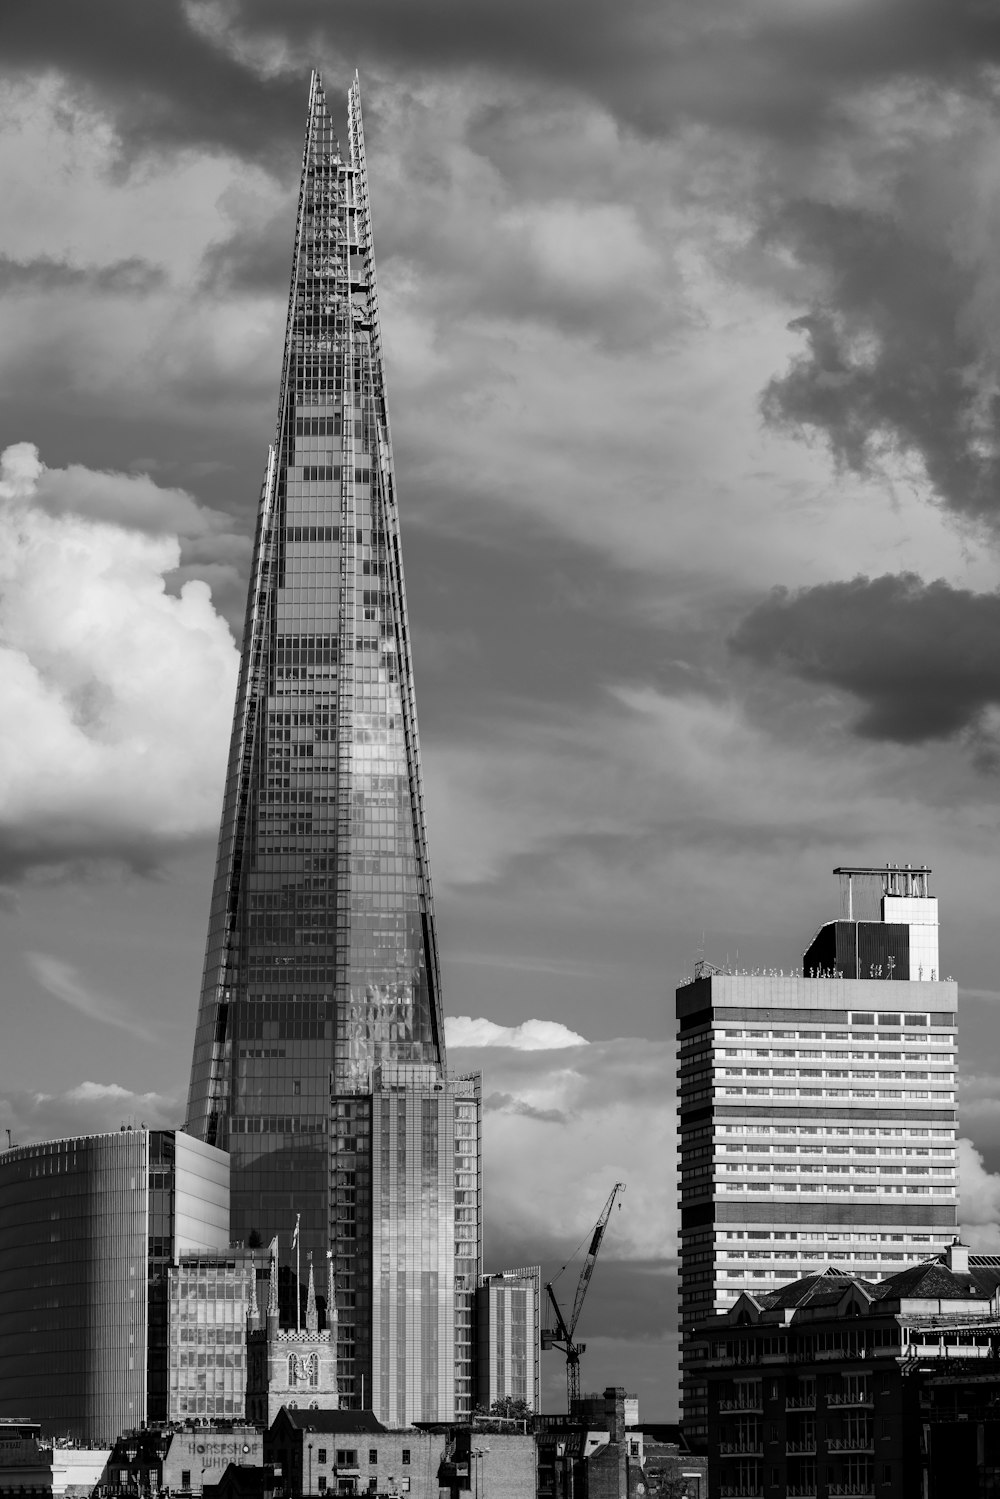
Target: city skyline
column 591, row 266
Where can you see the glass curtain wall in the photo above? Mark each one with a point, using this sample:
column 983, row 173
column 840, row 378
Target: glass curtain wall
column 321, row 960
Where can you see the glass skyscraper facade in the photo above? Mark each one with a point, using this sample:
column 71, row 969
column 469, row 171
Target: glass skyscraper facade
column 90, row 1227
column 209, row 1298
column 817, row 1112
column 321, row 963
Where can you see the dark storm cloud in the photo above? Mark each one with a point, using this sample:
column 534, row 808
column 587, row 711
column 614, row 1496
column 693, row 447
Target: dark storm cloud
column 921, row 657
column 131, row 277
column 892, row 363
column 175, row 75
column 163, row 80
column 257, row 260
column 510, row 1104
column 777, row 68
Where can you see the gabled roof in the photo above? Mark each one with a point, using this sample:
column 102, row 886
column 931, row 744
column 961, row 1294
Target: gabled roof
column 930, row 1279
column 340, row 1423
column 985, row 1272
column 826, row 1288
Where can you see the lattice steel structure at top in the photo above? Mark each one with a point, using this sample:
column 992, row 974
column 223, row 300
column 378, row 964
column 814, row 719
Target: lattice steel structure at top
column 321, row 960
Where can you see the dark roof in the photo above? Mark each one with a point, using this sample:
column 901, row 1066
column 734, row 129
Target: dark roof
column 932, row 1279
column 985, row 1272
column 823, row 1289
column 337, row 1422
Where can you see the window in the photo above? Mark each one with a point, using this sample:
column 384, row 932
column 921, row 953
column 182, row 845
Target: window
column 347, row 1457
column 321, row 1455
column 321, row 1483
column 406, row 1454
column 372, row 1456
column 185, row 1478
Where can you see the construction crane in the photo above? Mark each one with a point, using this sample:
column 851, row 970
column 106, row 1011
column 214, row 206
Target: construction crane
column 561, row 1336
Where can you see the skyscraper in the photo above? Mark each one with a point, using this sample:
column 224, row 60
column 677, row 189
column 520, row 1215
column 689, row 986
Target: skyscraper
column 321, row 965
column 817, row 1112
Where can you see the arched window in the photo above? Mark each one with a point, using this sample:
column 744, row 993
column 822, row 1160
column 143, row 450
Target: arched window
column 292, row 1370
column 313, row 1370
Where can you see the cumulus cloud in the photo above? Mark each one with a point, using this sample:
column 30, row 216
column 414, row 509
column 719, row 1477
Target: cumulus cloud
column 920, row 656
column 616, row 1098
column 89, row 1108
column 118, row 696
column 561, row 1127
column 979, row 1200
column 530, row 1035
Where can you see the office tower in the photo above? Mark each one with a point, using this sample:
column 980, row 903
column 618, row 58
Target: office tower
column 90, row 1226
column 507, row 1335
column 426, row 1242
column 209, row 1298
column 817, row 1112
column 321, row 963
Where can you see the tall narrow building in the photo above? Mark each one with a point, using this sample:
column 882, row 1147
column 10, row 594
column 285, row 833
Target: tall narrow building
column 321, row 969
column 817, row 1110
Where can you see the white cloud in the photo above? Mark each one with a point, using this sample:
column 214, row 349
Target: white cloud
column 979, row 1201
column 117, row 696
column 530, row 1035
column 89, row 1108
column 560, row 1129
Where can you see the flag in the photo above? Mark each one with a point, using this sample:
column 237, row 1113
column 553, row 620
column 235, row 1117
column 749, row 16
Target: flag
column 295, row 1234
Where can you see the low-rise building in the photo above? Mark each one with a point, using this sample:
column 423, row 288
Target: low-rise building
column 351, row 1452
column 31, row 1463
column 837, row 1385
column 593, row 1453
column 333, row 1451
column 179, row 1459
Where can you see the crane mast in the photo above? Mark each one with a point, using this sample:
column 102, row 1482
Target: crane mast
column 561, row 1335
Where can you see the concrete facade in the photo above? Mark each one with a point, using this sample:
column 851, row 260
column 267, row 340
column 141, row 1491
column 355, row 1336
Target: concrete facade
column 817, row 1110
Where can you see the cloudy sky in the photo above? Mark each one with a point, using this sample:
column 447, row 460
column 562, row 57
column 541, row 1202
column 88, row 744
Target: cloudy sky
column 693, row 325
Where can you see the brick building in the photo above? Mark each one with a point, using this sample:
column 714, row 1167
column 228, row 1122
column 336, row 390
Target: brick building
column 837, row 1385
column 180, row 1459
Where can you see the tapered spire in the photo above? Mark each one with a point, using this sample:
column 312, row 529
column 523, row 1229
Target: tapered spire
column 253, row 1311
column 312, row 1314
column 272, row 1287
